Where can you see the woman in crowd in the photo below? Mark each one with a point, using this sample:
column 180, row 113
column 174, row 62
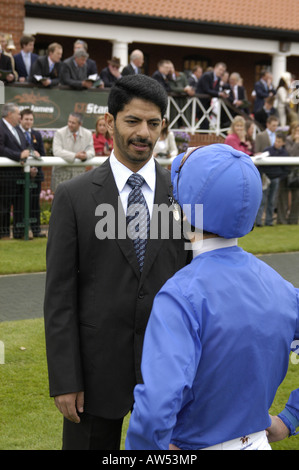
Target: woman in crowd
column 237, row 136
column 166, row 146
column 283, row 98
column 102, row 140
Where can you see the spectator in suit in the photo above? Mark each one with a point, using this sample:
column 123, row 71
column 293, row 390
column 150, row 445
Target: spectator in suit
column 195, row 76
column 48, row 67
column 238, row 92
column 70, row 143
column 264, row 140
column 6, row 66
column 267, row 137
column 25, row 58
column 209, row 84
column 266, row 111
column 13, row 145
column 35, row 145
column 274, row 173
column 162, row 74
column 111, row 73
column 92, row 68
column 262, row 89
column 74, row 71
column 136, row 62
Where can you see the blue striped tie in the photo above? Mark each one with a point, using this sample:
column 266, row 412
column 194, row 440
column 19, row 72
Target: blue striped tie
column 136, row 199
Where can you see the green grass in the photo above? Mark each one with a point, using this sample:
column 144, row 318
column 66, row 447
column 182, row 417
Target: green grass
column 18, row 256
column 29, row 419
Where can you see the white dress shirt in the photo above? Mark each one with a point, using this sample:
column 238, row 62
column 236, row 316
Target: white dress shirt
column 121, row 174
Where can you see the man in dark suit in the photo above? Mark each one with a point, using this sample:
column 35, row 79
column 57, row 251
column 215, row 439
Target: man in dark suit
column 35, row 144
column 25, row 58
column 46, row 69
column 195, row 76
column 92, row 68
column 237, row 93
column 111, row 73
column 13, row 145
column 262, row 89
column 99, row 290
column 136, row 62
column 209, row 84
column 161, row 74
column 74, row 71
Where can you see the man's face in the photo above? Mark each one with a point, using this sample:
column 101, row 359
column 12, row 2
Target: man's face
column 14, row 117
column 81, row 61
column 27, row 121
column 139, row 60
column 73, row 124
column 136, row 129
column 272, row 126
column 56, row 55
column 28, row 47
column 278, row 143
column 219, row 71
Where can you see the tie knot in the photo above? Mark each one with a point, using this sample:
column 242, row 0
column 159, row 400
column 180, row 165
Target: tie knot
column 135, row 180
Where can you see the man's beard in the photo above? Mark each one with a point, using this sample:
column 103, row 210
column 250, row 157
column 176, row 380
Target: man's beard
column 127, row 152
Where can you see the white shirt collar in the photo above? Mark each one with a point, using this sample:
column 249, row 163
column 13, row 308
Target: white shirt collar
column 121, row 173
column 209, row 244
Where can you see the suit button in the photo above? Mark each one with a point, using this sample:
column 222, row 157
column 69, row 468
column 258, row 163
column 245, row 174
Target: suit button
column 141, row 295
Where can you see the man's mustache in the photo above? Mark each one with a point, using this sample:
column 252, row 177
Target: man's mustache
column 139, row 140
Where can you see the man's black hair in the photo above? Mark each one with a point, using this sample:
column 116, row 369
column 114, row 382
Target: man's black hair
column 136, row 86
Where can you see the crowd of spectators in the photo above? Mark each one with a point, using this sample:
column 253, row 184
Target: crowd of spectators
column 268, row 107
column 80, row 71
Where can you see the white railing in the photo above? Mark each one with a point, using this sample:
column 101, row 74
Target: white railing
column 58, row 161
column 182, row 112
column 261, row 159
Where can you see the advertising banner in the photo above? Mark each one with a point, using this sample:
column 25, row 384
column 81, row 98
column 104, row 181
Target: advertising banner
column 51, row 107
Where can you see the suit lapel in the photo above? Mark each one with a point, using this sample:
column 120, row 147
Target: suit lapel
column 163, row 195
column 105, row 191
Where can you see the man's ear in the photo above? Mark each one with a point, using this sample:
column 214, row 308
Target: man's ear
column 109, row 120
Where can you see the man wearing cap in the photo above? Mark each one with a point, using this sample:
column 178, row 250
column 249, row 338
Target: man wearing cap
column 218, row 340
column 111, row 73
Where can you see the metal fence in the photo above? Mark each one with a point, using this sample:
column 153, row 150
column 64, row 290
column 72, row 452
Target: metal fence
column 26, row 196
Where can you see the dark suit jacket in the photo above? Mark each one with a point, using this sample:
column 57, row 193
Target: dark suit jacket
column 5, row 64
column 41, row 67
column 20, row 65
column 9, row 146
column 129, row 70
column 38, row 145
column 96, row 303
column 107, row 77
column 163, row 81
column 261, row 116
column 71, row 75
column 206, row 86
column 261, row 92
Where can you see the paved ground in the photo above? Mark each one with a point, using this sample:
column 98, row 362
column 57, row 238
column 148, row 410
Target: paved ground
column 21, row 296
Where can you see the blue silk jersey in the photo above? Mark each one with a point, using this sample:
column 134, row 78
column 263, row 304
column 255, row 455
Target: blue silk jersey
column 215, row 351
